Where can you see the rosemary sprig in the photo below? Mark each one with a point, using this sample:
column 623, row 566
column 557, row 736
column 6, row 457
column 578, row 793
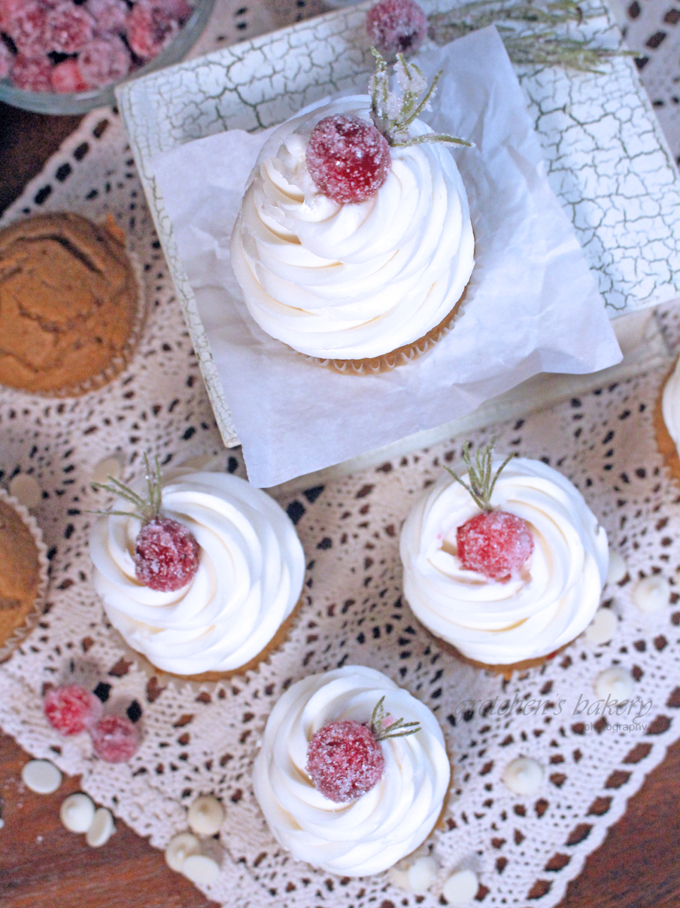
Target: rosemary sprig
column 396, row 729
column 482, row 480
column 146, row 509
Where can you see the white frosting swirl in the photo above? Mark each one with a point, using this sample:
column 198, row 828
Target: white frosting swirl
column 351, row 281
column 249, row 578
column 373, row 832
column 550, row 602
column 670, row 405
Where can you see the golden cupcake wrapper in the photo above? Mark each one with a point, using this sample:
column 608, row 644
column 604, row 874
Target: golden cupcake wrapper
column 664, row 442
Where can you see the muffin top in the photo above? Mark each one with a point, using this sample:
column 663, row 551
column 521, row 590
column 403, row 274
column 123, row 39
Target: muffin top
column 19, row 571
column 68, row 303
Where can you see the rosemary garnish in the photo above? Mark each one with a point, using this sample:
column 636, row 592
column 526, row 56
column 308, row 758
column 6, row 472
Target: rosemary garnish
column 482, row 480
column 146, row 509
column 396, row 729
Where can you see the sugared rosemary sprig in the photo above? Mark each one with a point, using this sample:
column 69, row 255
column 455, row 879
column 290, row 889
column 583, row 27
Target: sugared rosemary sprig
column 394, row 112
column 146, row 509
column 482, row 479
column 396, row 729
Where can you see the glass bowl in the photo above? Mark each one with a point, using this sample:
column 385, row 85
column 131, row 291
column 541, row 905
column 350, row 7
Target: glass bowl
column 48, row 102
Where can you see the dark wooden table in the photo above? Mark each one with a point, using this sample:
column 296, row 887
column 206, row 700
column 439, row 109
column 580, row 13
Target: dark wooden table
column 43, row 865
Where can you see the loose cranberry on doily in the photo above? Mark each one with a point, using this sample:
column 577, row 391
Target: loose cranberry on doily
column 150, row 28
column 67, row 77
column 27, row 27
column 396, row 26
column 68, row 27
column 104, row 60
column 115, row 739
column 348, row 158
column 72, row 709
column 110, row 16
column 32, row 74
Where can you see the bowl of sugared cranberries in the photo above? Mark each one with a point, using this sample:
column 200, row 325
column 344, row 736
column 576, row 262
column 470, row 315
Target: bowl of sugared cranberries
column 66, row 56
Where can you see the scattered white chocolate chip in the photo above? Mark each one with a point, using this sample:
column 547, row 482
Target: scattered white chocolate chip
column 41, row 776
column 199, row 868
column 108, row 467
column 615, row 682
column 101, row 828
column 602, row 628
column 26, row 490
column 179, row 848
column 524, row 776
column 617, row 567
column 77, row 812
column 415, row 873
column 206, row 815
column 651, row 594
column 461, row 887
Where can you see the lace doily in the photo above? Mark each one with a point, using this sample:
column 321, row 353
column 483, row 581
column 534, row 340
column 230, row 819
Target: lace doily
column 202, row 738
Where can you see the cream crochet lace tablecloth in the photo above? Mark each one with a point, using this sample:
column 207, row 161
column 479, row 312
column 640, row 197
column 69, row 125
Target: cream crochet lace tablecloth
column 202, row 738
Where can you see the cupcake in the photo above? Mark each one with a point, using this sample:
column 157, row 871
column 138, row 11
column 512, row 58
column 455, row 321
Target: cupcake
column 354, row 243
column 667, row 421
column 505, row 563
column 200, row 576
column 69, row 304
column 23, row 573
column 352, row 772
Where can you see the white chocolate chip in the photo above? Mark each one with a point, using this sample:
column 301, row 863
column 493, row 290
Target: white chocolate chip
column 41, row 776
column 602, row 628
column 651, row 594
column 415, row 873
column 615, row 682
column 179, row 848
column 206, row 815
column 199, row 868
column 77, row 812
column 26, row 490
column 109, row 467
column 101, row 828
column 461, row 887
column 524, row 776
column 617, row 567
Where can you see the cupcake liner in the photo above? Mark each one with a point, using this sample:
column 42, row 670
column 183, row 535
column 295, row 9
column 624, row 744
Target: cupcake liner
column 35, row 612
column 664, row 442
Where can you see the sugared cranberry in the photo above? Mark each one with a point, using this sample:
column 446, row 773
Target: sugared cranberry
column 8, row 10
column 6, row 59
column 104, row 60
column 495, row 544
column 344, row 760
column 32, row 74
column 151, row 27
column 67, row 77
column 166, row 555
column 72, row 709
column 68, row 27
column 110, row 16
column 27, row 27
column 347, row 158
column 396, row 26
column 115, row 739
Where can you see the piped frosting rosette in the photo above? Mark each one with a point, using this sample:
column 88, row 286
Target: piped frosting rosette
column 551, row 600
column 249, row 577
column 353, row 281
column 371, row 833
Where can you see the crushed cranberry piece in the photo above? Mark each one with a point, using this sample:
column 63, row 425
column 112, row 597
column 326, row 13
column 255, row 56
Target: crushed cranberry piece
column 104, row 60
column 27, row 27
column 396, row 26
column 344, row 760
column 347, row 158
column 110, row 16
column 68, row 27
column 495, row 544
column 72, row 709
column 150, row 28
column 166, row 555
column 32, row 74
column 115, row 739
column 67, row 77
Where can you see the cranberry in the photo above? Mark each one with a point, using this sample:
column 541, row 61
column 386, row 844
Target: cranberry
column 104, row 60
column 32, row 74
column 110, row 16
column 115, row 739
column 72, row 709
column 151, row 28
column 396, row 26
column 27, row 27
column 166, row 555
column 344, row 760
column 68, row 27
column 495, row 544
column 348, row 158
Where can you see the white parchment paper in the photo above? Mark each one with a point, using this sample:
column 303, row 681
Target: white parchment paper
column 532, row 305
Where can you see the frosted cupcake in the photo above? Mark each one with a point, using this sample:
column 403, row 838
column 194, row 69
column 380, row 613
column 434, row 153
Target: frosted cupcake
column 667, row 421
column 506, row 563
column 352, row 772
column 201, row 575
column 354, row 243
